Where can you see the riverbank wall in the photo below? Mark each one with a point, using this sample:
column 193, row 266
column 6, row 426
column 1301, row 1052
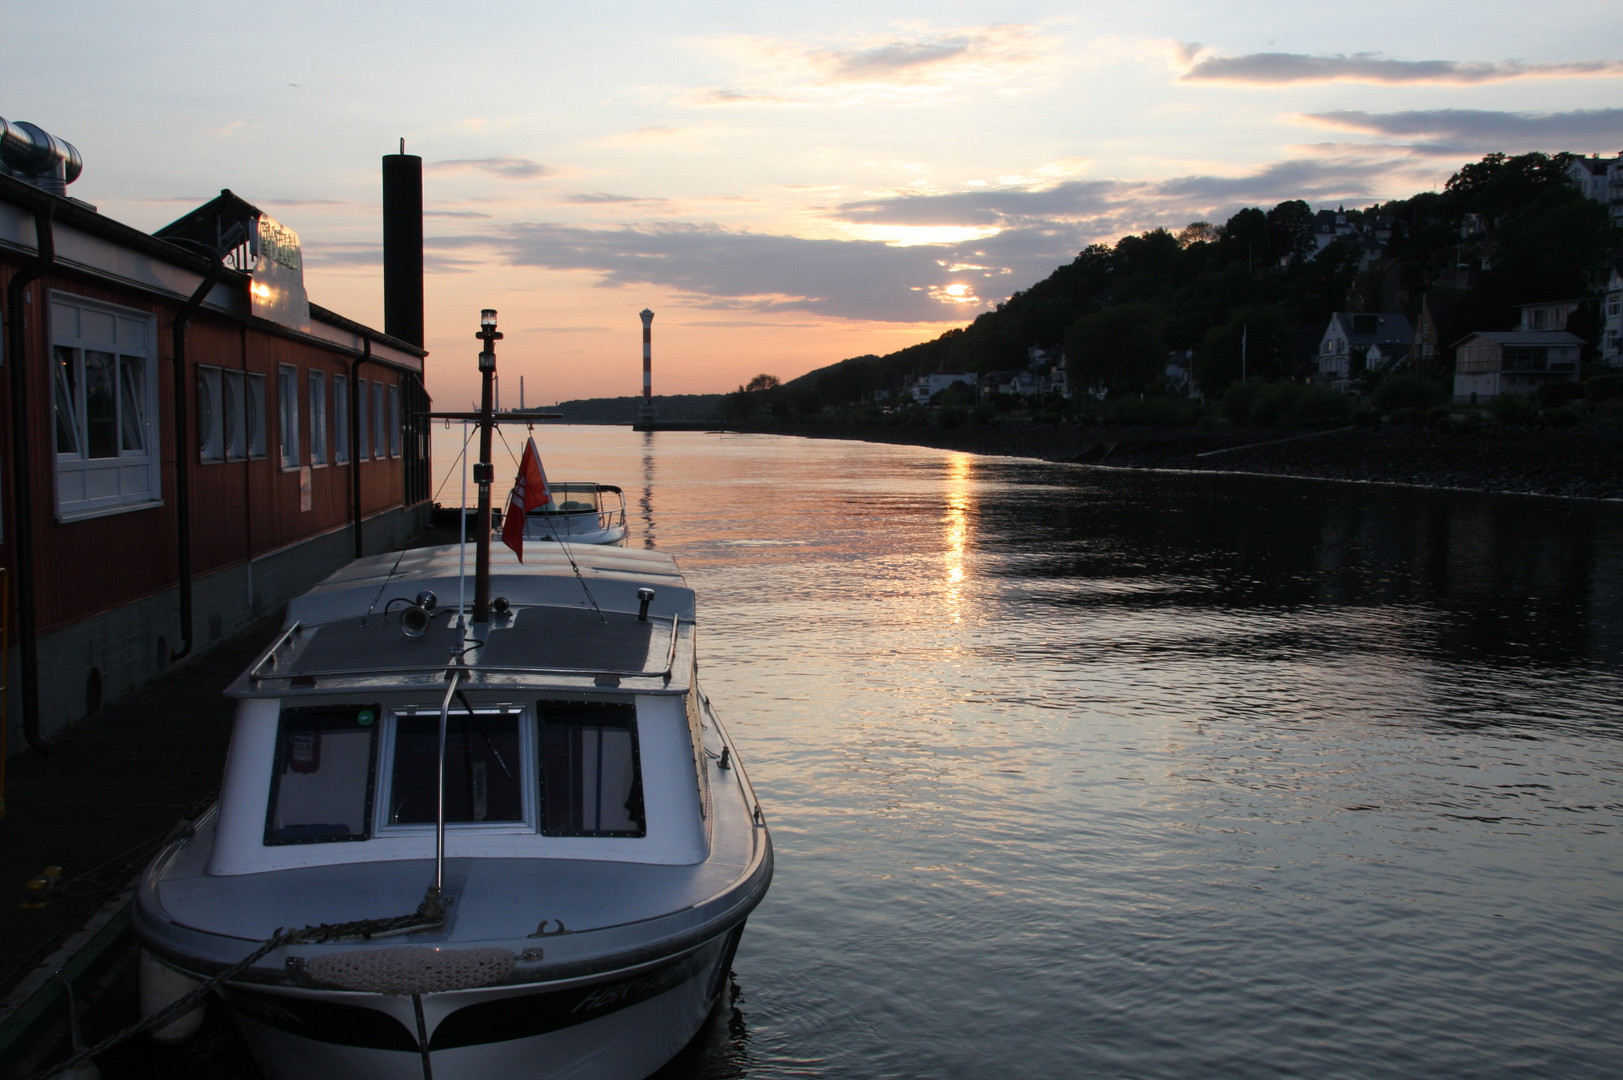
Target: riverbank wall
column 1583, row 461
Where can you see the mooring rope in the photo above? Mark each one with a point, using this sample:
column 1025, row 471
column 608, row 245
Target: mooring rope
column 429, row 916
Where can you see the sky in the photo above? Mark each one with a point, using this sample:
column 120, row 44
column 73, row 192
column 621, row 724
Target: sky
column 785, row 186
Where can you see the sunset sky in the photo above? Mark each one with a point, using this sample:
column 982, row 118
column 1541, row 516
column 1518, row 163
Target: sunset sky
column 785, row 186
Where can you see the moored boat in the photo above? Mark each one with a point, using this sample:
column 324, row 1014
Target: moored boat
column 579, row 513
column 511, row 836
column 601, row 844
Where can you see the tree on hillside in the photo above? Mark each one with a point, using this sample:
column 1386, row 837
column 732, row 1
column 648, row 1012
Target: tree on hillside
column 1253, row 343
column 1499, row 186
column 1120, row 349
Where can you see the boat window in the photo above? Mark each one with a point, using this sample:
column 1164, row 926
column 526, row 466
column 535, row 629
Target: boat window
column 321, row 790
column 484, row 768
column 591, row 783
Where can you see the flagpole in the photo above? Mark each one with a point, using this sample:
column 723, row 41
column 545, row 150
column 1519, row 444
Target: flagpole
column 484, row 472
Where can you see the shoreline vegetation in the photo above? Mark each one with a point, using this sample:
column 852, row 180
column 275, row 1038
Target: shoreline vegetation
column 1578, row 462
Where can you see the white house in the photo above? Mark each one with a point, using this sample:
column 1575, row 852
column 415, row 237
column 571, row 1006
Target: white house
column 1346, row 342
column 928, row 386
column 1488, row 364
column 1611, row 342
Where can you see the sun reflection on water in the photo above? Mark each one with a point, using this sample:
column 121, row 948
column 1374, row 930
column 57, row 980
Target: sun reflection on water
column 956, row 531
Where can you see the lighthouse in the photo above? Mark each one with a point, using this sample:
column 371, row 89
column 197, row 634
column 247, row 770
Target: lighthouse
column 646, row 414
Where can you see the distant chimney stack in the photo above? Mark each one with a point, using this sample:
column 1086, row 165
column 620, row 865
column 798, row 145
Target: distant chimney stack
column 403, row 246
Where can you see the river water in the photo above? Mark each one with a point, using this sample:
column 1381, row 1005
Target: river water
column 1082, row 773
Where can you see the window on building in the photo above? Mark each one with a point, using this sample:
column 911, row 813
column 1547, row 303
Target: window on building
column 340, row 418
column 1614, row 305
column 287, row 404
column 362, row 427
column 254, row 407
column 394, row 421
column 234, row 405
column 380, row 445
column 318, row 418
column 222, row 414
column 104, row 396
column 210, row 415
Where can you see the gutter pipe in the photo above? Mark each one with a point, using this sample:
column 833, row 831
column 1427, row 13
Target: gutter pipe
column 21, row 479
column 183, row 472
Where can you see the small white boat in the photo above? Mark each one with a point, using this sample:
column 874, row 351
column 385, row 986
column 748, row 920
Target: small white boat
column 579, row 513
column 518, row 848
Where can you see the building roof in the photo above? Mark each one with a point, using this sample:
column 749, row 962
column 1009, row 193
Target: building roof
column 1523, row 337
column 64, row 210
column 1388, row 326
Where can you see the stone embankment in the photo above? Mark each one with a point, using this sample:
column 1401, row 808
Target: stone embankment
column 1584, row 461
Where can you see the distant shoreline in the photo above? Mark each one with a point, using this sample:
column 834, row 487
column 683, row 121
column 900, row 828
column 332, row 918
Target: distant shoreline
column 1580, row 462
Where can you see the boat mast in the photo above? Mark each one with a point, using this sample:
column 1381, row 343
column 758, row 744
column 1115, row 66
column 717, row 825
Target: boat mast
column 484, row 473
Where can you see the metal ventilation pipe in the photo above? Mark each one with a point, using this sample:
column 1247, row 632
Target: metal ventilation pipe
column 34, row 155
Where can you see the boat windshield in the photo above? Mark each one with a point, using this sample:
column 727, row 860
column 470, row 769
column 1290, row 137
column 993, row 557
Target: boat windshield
column 590, row 781
column 321, row 790
column 571, row 498
column 483, row 768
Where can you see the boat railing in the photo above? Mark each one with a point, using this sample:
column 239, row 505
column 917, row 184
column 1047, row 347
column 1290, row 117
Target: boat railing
column 305, row 678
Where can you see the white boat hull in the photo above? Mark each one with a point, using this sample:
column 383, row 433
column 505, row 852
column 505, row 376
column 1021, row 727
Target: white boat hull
column 621, row 1028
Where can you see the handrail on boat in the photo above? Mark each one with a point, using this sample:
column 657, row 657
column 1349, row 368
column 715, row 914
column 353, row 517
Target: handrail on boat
column 269, row 655
column 257, row 674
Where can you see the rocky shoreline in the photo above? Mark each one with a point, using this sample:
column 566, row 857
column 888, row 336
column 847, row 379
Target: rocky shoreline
column 1580, row 462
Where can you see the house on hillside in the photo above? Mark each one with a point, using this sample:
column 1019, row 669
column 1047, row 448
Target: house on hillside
column 1600, row 179
column 1490, row 363
column 1519, row 361
column 925, row 387
column 1345, row 344
column 1427, row 353
column 1611, row 342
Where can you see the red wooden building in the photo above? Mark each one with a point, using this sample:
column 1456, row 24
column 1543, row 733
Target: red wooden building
column 188, row 441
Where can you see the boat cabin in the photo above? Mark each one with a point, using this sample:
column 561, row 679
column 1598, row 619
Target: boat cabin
column 334, row 758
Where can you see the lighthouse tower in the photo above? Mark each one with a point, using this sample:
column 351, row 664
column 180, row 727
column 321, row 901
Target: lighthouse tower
column 647, row 414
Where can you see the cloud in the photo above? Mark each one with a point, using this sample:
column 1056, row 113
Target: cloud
column 903, row 65
column 1471, row 129
column 505, row 168
column 1061, row 207
column 595, row 197
column 1274, row 68
column 730, row 269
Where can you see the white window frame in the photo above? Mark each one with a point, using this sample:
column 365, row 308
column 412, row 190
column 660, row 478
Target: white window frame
column 318, row 418
column 287, row 409
column 340, row 419
column 129, row 479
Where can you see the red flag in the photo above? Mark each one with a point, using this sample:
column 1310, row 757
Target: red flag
column 529, row 492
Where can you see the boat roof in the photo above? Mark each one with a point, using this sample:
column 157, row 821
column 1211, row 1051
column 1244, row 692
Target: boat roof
column 573, row 621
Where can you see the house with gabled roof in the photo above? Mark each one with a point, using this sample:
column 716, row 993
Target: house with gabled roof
column 1345, row 344
column 1611, row 339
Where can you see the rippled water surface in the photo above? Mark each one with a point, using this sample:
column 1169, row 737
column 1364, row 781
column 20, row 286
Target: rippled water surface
column 1081, row 773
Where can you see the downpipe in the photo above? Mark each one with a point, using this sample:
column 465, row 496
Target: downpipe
column 183, row 471
column 21, row 479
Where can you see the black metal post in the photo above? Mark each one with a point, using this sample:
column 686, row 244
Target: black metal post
column 483, row 471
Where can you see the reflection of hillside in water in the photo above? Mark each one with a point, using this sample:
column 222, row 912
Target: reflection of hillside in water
column 1490, row 577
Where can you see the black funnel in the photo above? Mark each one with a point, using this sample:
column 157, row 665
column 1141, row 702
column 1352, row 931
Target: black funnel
column 403, row 246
